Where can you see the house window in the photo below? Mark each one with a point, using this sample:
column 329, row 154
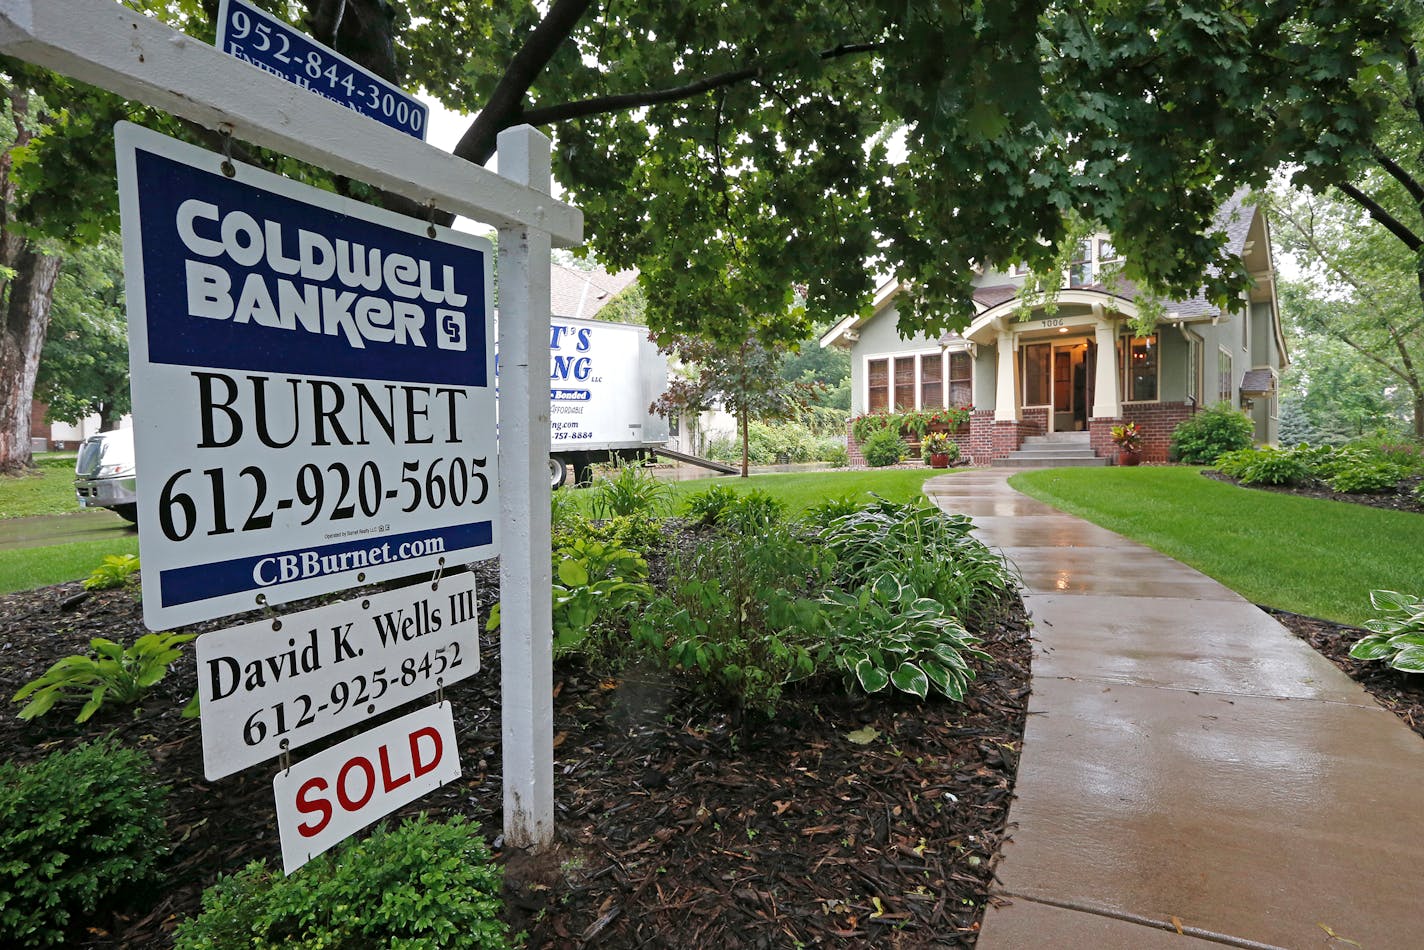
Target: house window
column 1224, row 375
column 1080, row 268
column 1141, row 369
column 1245, row 330
column 1106, row 251
column 931, row 381
column 1036, row 360
column 961, row 379
column 904, row 384
column 878, row 381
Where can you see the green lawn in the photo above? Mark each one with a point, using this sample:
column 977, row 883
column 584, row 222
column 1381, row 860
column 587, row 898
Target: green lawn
column 49, row 491
column 1313, row 557
column 28, row 568
column 801, row 490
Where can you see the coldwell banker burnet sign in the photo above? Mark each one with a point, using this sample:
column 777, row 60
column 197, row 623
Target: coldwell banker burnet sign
column 312, row 382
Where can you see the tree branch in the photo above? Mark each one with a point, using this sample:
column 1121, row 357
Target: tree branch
column 1399, row 174
column 634, row 100
column 506, row 104
column 1387, row 220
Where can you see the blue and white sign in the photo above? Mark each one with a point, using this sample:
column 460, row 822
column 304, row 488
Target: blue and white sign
column 272, row 45
column 313, row 386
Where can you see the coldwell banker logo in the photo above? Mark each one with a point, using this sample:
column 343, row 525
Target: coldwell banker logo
column 378, row 297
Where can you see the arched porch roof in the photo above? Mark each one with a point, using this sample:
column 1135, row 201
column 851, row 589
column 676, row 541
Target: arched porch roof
column 990, row 320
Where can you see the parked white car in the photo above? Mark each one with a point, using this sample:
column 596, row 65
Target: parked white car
column 104, row 473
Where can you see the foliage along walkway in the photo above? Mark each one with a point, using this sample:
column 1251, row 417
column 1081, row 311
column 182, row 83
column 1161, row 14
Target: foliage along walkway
column 1189, row 767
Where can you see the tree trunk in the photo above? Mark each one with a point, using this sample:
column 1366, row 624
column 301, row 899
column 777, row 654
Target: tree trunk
column 22, row 337
column 1419, row 414
column 742, row 421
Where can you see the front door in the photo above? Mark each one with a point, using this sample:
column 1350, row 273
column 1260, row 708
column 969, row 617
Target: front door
column 1071, row 390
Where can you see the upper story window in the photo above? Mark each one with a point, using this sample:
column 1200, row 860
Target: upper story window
column 1225, row 375
column 1080, row 267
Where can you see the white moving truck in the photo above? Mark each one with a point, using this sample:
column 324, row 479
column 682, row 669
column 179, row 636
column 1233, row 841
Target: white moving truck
column 602, row 379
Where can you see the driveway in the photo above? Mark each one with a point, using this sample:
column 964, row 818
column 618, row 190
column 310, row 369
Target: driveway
column 43, row 530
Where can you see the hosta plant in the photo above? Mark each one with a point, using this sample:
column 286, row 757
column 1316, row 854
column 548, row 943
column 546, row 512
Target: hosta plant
column 1397, row 635
column 117, row 673
column 115, row 571
column 886, row 635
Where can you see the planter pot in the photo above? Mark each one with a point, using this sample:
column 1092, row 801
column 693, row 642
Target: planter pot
column 939, row 460
column 1125, row 457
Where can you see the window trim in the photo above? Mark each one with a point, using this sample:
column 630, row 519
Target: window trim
column 1229, row 395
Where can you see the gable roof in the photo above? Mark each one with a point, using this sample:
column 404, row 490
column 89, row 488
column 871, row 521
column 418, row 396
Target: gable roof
column 1237, row 218
column 582, row 293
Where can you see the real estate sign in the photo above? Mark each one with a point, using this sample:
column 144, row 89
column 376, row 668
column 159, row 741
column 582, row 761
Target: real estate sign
column 337, row 792
column 274, row 685
column 257, row 37
column 313, row 386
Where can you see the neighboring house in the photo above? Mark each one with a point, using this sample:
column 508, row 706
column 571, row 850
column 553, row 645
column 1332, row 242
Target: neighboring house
column 1077, row 369
column 62, row 436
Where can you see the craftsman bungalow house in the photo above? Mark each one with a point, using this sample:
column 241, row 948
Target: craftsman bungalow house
column 1073, row 371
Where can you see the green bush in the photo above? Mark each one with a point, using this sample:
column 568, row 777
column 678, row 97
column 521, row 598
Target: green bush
column 1265, row 466
column 706, row 507
column 739, row 616
column 124, row 675
column 633, row 491
column 80, row 832
column 884, row 634
column 1369, row 476
column 837, row 455
column 926, row 550
column 115, row 571
column 772, row 443
column 1397, row 635
column 595, row 585
column 1407, row 454
column 422, row 885
column 883, row 448
column 1200, row 439
column 752, row 512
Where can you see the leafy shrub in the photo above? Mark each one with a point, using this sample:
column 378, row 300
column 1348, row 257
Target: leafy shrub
column 752, row 512
column 1405, row 453
column 837, row 455
column 863, row 427
column 822, row 513
column 739, row 616
column 883, row 448
column 925, row 549
column 1265, row 466
column 595, row 582
column 633, row 491
column 771, row 443
column 123, row 675
column 115, row 571
column 565, row 515
column 1367, row 476
column 706, row 507
column 917, row 421
column 1200, row 439
column 1397, row 636
column 422, row 885
column 79, row 831
column 630, row 531
column 884, row 634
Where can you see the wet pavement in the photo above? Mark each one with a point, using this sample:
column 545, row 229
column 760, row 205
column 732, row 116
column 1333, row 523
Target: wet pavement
column 41, row 530
column 1191, row 772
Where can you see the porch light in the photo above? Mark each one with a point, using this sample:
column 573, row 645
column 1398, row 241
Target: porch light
column 1062, row 329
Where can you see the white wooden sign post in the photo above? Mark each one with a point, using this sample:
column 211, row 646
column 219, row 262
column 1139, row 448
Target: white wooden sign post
column 110, row 46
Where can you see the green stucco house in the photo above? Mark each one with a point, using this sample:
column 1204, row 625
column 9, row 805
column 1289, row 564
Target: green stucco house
column 1071, row 372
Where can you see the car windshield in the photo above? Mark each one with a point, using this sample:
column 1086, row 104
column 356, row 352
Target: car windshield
column 112, row 448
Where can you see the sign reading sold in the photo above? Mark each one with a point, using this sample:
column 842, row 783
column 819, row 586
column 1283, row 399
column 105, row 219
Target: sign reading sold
column 339, row 791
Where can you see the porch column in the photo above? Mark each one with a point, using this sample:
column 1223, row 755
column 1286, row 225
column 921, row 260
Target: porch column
column 1107, row 402
column 1006, row 393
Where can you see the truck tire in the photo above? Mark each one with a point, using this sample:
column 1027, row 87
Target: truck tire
column 558, row 472
column 127, row 512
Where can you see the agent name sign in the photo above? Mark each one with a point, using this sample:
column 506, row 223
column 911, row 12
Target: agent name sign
column 277, row 684
column 312, row 386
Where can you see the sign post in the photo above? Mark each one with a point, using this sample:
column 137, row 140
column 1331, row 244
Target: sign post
column 525, row 579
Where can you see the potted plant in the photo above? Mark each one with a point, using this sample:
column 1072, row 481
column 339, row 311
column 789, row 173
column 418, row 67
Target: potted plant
column 1128, row 439
column 939, row 449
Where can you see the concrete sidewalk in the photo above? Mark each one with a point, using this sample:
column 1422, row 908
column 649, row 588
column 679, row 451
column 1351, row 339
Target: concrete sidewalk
column 1187, row 758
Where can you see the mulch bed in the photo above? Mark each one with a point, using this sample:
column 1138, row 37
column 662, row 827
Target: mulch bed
column 1401, row 693
column 1402, row 498
column 676, row 824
